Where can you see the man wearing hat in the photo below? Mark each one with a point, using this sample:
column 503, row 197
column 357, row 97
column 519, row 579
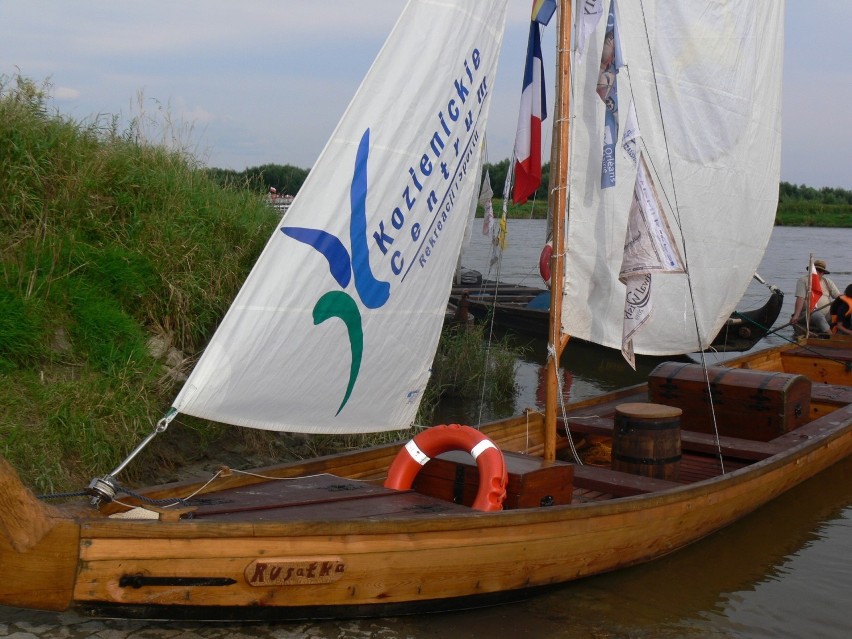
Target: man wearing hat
column 819, row 321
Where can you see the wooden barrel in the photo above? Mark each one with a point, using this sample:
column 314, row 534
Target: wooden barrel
column 646, row 440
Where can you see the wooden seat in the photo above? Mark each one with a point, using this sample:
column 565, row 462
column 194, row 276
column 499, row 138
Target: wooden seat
column 832, row 394
column 617, row 483
column 735, row 447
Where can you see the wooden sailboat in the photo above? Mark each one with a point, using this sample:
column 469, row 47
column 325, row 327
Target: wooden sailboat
column 521, row 310
column 422, row 526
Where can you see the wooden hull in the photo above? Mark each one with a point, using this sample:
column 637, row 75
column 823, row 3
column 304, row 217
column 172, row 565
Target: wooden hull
column 343, row 545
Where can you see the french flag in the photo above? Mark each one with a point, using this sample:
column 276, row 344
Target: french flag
column 533, row 110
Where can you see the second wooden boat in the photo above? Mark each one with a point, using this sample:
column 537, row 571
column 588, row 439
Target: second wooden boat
column 525, row 310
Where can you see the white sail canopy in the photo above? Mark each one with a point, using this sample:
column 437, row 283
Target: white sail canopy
column 706, row 83
column 336, row 327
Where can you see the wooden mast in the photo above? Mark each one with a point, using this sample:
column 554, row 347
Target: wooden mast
column 557, row 204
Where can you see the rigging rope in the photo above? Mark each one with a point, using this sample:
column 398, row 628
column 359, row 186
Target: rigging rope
column 675, row 208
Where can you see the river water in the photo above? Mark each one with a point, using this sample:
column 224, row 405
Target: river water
column 784, row 571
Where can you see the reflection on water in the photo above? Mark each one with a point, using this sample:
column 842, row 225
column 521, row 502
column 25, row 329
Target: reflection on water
column 586, row 370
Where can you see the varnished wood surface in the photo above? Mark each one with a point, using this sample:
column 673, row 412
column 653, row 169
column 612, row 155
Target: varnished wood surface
column 38, row 548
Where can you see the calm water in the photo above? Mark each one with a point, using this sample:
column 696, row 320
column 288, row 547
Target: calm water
column 784, row 571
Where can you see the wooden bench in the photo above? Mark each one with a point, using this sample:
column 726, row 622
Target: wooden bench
column 735, row 447
column 616, row 483
column 832, row 394
column 533, row 482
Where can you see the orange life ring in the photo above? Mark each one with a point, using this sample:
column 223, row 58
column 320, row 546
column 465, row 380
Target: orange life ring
column 440, row 439
column 544, row 262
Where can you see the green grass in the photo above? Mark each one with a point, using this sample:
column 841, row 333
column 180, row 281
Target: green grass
column 105, row 241
column 467, row 366
column 807, row 213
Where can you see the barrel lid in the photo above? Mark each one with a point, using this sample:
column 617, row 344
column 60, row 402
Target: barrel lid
column 647, row 410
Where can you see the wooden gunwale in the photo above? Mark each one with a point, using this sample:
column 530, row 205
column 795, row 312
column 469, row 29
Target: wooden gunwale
column 836, row 444
column 833, row 433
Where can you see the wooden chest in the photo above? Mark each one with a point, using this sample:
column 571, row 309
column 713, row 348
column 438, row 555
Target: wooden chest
column 750, row 404
column 533, row 482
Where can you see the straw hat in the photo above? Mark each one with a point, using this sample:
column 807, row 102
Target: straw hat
column 820, row 266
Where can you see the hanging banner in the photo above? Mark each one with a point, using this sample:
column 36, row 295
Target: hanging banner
column 611, row 62
column 630, row 139
column 591, row 12
column 649, row 247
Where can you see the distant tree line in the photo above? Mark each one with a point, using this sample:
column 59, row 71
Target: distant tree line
column 498, row 174
column 288, row 179
column 826, row 195
column 285, row 179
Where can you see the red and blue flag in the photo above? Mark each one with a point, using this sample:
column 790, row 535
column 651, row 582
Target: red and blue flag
column 532, row 112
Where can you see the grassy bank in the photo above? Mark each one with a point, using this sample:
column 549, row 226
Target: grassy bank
column 117, row 259
column 814, row 214
column 110, row 247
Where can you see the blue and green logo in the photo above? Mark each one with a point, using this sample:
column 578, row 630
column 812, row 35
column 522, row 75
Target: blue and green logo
column 345, row 265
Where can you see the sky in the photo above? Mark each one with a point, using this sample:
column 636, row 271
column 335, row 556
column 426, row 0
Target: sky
column 247, row 83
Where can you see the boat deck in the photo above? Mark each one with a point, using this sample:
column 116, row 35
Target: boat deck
column 319, row 497
column 532, row 481
column 329, row 497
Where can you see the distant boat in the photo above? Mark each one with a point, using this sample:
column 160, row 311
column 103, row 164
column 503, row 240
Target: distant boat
column 336, row 327
column 279, row 202
column 525, row 310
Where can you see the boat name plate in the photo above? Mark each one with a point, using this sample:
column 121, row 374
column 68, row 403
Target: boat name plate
column 294, row 571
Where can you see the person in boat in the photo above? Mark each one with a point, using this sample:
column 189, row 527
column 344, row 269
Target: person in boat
column 820, row 315
column 841, row 313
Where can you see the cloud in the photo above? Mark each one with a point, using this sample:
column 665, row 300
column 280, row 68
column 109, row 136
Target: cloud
column 194, row 115
column 267, row 80
column 65, row 94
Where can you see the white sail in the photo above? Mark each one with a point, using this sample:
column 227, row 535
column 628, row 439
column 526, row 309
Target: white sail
column 336, row 327
column 706, row 83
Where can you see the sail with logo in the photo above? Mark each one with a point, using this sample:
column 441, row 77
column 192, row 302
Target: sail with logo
column 336, row 327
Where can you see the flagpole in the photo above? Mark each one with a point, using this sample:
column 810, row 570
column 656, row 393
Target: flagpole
column 557, row 203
